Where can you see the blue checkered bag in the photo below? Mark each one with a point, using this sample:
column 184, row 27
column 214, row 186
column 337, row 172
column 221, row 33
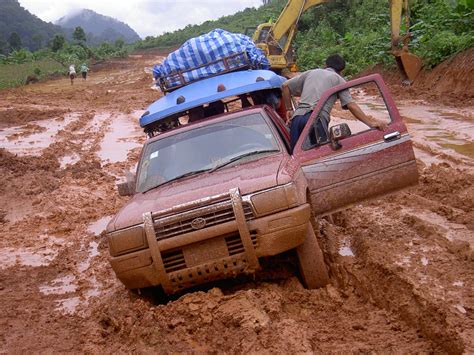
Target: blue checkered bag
column 207, row 55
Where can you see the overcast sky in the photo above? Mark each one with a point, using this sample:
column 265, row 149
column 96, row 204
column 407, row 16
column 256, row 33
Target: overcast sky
column 146, row 17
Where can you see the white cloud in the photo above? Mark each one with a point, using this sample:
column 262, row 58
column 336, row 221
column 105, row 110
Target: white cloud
column 146, row 17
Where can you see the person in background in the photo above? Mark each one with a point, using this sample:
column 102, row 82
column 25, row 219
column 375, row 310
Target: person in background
column 84, row 70
column 72, row 73
column 310, row 86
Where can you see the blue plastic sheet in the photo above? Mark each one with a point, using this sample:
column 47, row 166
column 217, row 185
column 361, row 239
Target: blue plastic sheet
column 200, row 57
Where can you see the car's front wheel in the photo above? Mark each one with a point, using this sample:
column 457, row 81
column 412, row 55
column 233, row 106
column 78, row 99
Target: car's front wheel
column 311, row 261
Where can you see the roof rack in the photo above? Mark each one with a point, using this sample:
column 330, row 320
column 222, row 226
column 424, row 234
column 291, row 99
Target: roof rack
column 230, row 63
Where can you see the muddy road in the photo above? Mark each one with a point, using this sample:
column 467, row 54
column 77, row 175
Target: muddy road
column 401, row 266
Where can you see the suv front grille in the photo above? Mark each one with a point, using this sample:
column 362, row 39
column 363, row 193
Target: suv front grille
column 234, row 243
column 173, row 260
column 214, row 214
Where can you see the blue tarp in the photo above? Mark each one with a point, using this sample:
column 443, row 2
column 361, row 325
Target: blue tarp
column 205, row 49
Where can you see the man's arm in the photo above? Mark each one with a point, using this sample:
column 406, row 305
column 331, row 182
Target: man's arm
column 285, row 93
column 368, row 120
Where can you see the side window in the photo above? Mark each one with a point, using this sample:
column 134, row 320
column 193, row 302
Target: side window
column 367, row 96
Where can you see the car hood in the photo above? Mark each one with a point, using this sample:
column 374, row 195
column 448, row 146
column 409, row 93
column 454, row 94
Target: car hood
column 249, row 176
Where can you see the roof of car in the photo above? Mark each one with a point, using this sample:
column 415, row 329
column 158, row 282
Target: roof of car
column 205, row 91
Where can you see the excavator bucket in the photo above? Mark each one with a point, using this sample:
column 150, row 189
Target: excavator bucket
column 409, row 64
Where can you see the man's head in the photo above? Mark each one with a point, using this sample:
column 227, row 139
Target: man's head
column 336, row 62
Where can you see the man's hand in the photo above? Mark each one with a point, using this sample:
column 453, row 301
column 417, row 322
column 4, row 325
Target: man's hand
column 375, row 123
column 367, row 119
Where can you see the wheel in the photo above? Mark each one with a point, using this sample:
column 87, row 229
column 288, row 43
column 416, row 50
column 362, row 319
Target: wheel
column 311, row 261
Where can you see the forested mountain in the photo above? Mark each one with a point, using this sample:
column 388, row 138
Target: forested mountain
column 98, row 28
column 33, row 33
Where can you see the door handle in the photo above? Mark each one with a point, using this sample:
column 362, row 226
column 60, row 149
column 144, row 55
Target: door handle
column 392, row 136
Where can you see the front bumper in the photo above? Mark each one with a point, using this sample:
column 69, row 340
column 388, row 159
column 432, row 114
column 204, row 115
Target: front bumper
column 220, row 251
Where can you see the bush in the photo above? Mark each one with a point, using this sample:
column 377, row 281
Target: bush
column 360, row 31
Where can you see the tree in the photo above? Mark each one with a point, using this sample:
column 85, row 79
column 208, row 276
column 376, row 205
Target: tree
column 58, row 42
column 38, row 40
column 3, row 47
column 119, row 43
column 14, row 41
column 79, row 35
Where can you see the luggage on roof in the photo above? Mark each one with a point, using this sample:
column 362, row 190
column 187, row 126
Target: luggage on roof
column 210, row 54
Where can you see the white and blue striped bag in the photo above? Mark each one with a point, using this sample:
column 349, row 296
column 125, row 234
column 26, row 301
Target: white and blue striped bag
column 200, row 57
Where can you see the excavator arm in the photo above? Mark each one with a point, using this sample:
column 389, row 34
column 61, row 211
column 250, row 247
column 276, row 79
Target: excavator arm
column 409, row 64
column 275, row 39
column 289, row 17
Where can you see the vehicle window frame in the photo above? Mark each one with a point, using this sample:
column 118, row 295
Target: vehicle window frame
column 354, row 141
column 306, row 145
column 199, row 125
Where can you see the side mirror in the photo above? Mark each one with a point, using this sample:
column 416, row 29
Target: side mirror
column 338, row 132
column 127, row 188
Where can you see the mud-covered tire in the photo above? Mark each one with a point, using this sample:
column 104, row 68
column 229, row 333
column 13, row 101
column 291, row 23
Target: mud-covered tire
column 311, row 261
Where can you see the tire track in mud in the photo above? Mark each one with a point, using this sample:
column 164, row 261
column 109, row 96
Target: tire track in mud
column 66, row 277
column 406, row 288
column 415, row 267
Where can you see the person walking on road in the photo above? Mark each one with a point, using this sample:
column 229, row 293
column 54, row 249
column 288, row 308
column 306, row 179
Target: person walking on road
column 310, row 86
column 84, row 70
column 72, row 73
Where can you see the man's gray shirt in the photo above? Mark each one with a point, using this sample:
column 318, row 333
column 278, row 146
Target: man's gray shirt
column 311, row 85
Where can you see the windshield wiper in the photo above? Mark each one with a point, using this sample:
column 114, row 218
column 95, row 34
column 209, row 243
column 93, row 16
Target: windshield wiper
column 210, row 170
column 255, row 152
column 190, row 173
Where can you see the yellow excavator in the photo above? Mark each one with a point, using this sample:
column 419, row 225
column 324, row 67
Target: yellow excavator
column 275, row 39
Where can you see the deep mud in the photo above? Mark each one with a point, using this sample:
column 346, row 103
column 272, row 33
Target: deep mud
column 401, row 266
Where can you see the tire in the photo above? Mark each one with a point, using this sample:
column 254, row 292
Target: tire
column 311, row 261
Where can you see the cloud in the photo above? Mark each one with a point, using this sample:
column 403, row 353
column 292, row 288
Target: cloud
column 146, row 17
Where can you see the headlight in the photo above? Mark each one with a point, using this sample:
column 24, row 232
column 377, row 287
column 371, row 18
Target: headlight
column 127, row 240
column 275, row 199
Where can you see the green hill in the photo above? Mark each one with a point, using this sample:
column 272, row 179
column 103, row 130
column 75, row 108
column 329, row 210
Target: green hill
column 33, row 32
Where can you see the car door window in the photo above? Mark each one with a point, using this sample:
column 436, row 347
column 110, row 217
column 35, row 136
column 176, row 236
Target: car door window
column 360, row 164
column 369, row 98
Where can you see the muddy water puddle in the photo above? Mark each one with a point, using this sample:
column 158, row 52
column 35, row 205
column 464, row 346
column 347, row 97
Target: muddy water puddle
column 26, row 257
column 59, row 286
column 122, row 136
column 428, row 157
column 466, row 149
column 41, row 254
column 69, row 160
column 92, row 252
column 440, row 130
column 436, row 130
column 452, row 231
column 98, row 226
column 23, row 141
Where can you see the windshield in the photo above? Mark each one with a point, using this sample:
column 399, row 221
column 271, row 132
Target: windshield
column 205, row 149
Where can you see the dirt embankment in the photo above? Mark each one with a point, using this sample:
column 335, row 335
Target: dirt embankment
column 401, row 266
column 450, row 83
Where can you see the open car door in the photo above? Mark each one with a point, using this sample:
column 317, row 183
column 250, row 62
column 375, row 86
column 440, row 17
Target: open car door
column 359, row 163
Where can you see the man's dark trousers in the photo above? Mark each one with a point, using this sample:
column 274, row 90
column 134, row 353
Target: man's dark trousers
column 297, row 125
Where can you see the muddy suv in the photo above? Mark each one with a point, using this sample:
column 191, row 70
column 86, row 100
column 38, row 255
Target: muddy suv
column 211, row 198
